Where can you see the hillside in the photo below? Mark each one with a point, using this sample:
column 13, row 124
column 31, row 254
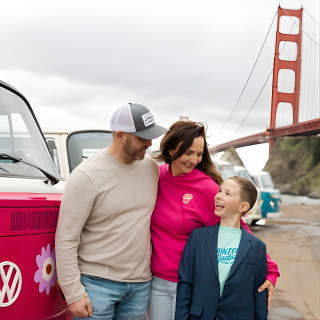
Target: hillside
column 295, row 165
column 232, row 156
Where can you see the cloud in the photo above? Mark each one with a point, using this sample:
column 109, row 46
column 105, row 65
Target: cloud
column 81, row 60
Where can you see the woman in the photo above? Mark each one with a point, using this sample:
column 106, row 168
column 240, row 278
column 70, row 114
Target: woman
column 188, row 183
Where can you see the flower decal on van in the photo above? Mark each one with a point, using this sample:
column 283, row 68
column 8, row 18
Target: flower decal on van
column 46, row 274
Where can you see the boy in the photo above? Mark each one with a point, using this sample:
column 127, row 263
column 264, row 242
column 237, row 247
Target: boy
column 223, row 266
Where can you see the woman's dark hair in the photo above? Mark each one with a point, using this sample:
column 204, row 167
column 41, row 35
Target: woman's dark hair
column 184, row 132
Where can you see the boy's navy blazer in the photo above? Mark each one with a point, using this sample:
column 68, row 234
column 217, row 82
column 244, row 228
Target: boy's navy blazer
column 198, row 292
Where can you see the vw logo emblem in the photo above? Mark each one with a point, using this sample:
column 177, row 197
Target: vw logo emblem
column 12, row 282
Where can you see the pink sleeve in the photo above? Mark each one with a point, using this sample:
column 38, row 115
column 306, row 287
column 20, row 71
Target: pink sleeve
column 272, row 268
column 212, row 220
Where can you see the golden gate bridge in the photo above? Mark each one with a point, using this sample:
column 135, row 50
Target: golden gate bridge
column 298, row 69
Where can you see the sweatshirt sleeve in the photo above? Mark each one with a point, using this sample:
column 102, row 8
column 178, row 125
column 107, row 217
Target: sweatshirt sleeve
column 272, row 268
column 210, row 218
column 76, row 206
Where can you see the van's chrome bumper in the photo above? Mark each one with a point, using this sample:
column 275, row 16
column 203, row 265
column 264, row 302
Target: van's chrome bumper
column 272, row 215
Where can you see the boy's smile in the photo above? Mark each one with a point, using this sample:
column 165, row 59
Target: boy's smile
column 228, row 200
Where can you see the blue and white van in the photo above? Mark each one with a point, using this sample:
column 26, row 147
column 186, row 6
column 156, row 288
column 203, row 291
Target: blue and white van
column 270, row 196
column 256, row 214
column 227, row 169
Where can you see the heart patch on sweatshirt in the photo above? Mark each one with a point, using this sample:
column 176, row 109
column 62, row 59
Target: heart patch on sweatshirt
column 187, row 197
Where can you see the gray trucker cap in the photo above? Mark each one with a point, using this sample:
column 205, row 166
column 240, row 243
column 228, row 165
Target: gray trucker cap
column 136, row 119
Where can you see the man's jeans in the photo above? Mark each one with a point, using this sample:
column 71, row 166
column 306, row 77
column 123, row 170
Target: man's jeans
column 113, row 300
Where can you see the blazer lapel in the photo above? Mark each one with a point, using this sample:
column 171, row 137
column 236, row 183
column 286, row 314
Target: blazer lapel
column 244, row 246
column 212, row 243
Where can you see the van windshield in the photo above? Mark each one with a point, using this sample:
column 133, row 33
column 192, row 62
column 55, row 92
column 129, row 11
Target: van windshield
column 226, row 170
column 20, row 137
column 245, row 174
column 267, row 181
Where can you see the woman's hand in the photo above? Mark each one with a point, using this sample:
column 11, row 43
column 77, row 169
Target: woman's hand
column 267, row 285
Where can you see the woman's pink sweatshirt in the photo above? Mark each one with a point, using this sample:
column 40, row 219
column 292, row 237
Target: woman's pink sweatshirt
column 184, row 203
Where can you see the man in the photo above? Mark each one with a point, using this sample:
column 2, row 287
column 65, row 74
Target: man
column 103, row 243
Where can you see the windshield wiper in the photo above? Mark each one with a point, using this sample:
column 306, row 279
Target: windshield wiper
column 5, row 170
column 6, row 156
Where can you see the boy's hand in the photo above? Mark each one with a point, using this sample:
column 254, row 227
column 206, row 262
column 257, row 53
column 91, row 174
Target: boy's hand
column 267, row 285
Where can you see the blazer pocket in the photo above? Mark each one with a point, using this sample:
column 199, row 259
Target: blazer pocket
column 195, row 310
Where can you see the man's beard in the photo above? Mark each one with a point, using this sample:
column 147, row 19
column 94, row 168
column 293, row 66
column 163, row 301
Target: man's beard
column 131, row 152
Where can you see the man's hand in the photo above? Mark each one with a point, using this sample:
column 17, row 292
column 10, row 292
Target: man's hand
column 81, row 308
column 267, row 285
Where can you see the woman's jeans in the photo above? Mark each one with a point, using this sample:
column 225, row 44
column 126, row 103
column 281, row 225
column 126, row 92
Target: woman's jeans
column 113, row 300
column 162, row 304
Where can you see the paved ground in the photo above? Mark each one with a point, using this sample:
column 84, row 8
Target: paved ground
column 293, row 241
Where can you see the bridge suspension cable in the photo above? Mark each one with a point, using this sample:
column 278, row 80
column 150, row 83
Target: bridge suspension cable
column 252, row 69
column 311, row 17
column 309, row 92
column 263, row 86
column 304, row 32
column 254, row 103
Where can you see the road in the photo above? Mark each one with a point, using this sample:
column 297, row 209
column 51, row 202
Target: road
column 293, row 241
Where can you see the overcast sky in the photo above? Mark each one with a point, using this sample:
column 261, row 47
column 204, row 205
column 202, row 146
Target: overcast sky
column 78, row 61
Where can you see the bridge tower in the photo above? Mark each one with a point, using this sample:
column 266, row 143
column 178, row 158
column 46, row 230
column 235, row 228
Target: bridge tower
column 277, row 96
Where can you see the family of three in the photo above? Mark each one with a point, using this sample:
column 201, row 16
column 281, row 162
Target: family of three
column 135, row 238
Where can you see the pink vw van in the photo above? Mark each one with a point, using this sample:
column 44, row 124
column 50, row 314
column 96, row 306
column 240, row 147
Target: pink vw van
column 30, row 194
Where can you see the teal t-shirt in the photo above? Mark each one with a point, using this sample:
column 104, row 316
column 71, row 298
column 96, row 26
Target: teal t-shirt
column 228, row 243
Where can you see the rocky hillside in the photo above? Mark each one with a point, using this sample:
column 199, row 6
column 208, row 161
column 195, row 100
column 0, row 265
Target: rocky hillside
column 295, row 165
column 232, row 156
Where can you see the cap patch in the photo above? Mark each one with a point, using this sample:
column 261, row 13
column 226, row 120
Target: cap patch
column 148, row 119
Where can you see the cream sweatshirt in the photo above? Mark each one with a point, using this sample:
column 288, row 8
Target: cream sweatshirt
column 104, row 223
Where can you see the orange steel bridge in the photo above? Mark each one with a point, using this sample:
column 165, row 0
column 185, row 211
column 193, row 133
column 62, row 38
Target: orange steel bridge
column 297, row 128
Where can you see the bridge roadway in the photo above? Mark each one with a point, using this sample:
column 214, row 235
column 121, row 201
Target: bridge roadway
column 310, row 127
